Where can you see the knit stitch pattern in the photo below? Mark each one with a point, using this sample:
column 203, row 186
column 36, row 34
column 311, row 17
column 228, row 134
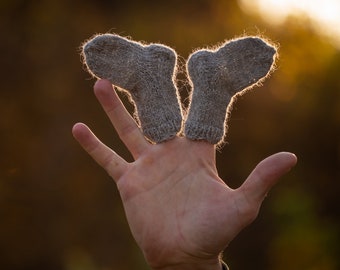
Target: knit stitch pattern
column 147, row 73
column 216, row 76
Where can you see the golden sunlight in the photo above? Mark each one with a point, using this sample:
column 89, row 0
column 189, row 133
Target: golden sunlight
column 323, row 15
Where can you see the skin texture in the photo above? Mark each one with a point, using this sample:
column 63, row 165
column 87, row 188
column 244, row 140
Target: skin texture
column 181, row 214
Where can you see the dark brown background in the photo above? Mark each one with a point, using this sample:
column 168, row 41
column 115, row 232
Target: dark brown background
column 59, row 210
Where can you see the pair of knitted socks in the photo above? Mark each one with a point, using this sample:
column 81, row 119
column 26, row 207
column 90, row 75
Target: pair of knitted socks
column 147, row 73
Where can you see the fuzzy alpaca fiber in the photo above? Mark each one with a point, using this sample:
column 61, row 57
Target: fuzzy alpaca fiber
column 146, row 73
column 216, row 76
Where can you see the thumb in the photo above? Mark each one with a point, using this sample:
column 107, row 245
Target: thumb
column 266, row 174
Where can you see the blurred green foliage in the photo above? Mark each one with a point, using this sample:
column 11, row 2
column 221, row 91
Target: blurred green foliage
column 59, row 210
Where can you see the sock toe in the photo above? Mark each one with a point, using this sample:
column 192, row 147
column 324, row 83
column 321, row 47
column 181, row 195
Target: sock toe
column 146, row 72
column 216, row 76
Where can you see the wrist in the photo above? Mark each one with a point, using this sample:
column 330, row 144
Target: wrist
column 217, row 265
column 224, row 266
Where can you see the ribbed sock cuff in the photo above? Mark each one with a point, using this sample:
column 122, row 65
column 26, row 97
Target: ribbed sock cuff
column 196, row 131
column 164, row 131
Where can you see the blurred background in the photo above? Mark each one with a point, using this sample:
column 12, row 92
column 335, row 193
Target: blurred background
column 59, row 210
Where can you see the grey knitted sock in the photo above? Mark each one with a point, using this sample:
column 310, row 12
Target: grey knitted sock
column 147, row 73
column 218, row 75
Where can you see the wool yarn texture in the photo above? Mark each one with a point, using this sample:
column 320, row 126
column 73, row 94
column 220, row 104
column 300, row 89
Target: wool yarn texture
column 147, row 73
column 216, row 76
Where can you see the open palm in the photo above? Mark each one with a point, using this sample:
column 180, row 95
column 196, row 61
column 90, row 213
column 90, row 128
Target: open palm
column 180, row 212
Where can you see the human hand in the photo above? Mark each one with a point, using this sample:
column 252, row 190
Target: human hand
column 181, row 214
